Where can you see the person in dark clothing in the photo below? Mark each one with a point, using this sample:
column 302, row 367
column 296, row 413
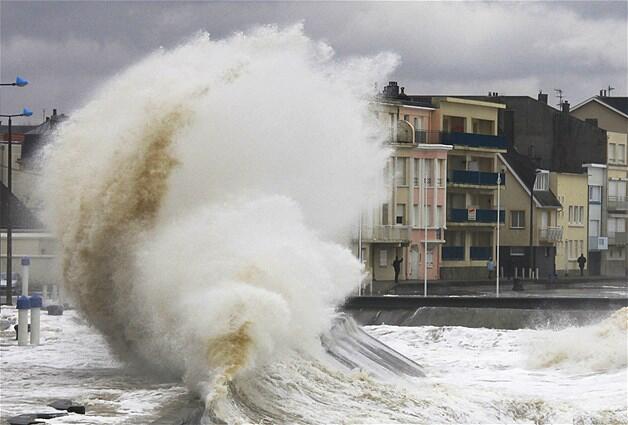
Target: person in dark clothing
column 397, row 266
column 581, row 262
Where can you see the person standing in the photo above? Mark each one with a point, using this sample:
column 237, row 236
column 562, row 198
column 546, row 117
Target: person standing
column 397, row 267
column 490, row 266
column 581, row 262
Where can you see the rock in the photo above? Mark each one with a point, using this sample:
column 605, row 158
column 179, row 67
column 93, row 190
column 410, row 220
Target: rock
column 4, row 324
column 54, row 310
column 50, row 415
column 68, row 405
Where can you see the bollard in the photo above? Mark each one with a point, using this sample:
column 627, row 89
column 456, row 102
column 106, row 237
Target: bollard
column 26, row 265
column 23, row 305
column 36, row 303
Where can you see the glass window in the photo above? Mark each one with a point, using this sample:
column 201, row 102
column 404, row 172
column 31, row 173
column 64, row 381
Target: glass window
column 385, row 214
column 621, row 225
column 383, row 257
column 400, row 214
column 542, row 181
column 517, row 251
column 621, row 154
column 571, row 213
column 611, row 152
column 581, row 218
column 401, row 171
column 594, row 227
column 517, row 219
column 595, row 194
column 406, row 118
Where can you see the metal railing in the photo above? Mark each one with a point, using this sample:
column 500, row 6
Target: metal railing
column 551, row 234
column 481, row 252
column 461, row 139
column 453, row 253
column 387, row 233
column 459, row 215
column 475, row 177
column 616, row 203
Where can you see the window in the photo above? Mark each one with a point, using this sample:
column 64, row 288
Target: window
column 483, row 126
column 383, row 257
column 594, row 227
column 581, row 215
column 406, row 118
column 542, row 181
column 615, row 225
column 616, row 253
column 418, row 123
column 454, row 124
column 385, row 214
column 517, row 219
column 439, row 217
column 616, row 190
column 517, row 251
column 417, row 215
column 400, row 214
column 621, row 154
column 595, row 194
column 429, row 171
column 401, row 165
column 571, row 213
column 611, row 152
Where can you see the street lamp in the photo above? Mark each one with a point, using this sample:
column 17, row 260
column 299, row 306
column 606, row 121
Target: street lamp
column 25, row 113
column 19, row 82
column 499, row 182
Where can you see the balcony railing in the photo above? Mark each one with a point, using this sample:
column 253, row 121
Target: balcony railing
column 551, row 234
column 458, row 215
column 482, row 178
column 474, row 140
column 462, row 139
column 481, row 252
column 618, row 238
column 386, row 233
column 453, row 253
column 617, row 203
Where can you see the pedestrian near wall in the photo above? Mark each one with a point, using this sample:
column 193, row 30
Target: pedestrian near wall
column 581, row 262
column 397, row 266
column 490, row 266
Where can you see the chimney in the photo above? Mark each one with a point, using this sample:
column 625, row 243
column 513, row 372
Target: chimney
column 601, row 91
column 403, row 91
column 565, row 106
column 542, row 97
column 392, row 89
column 54, row 112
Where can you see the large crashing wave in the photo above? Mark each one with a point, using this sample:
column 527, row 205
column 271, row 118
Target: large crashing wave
column 199, row 198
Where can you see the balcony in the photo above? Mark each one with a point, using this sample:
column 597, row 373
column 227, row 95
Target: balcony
column 458, row 215
column 481, row 252
column 453, row 253
column 474, row 140
column 551, row 234
column 598, row 243
column 617, row 203
column 386, row 234
column 618, row 238
column 480, row 178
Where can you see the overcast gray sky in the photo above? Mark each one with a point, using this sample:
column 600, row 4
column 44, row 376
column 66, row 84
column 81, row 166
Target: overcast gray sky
column 66, row 49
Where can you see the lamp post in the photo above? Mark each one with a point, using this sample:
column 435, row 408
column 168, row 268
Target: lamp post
column 425, row 218
column 25, row 113
column 499, row 182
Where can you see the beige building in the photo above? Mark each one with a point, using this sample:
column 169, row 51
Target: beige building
column 572, row 191
column 611, row 114
column 528, row 202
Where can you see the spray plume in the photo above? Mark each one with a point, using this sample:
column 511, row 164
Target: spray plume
column 200, row 195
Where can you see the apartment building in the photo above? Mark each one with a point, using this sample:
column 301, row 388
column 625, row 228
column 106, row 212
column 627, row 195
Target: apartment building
column 608, row 181
column 473, row 172
column 414, row 212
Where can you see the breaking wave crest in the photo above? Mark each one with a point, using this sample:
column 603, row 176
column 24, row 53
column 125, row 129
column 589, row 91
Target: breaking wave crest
column 594, row 348
column 201, row 195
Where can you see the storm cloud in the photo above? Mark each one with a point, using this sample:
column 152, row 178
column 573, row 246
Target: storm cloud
column 66, row 49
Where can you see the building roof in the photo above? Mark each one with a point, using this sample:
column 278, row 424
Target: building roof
column 616, row 104
column 21, row 217
column 525, row 171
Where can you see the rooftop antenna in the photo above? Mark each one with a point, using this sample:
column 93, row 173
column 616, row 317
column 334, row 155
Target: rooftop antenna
column 609, row 90
column 559, row 95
